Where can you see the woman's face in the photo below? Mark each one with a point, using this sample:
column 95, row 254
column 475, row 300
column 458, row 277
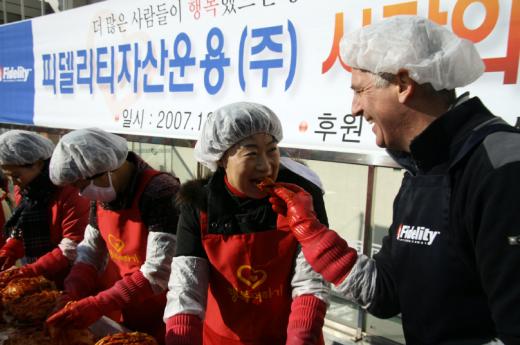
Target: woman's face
column 251, row 160
column 22, row 175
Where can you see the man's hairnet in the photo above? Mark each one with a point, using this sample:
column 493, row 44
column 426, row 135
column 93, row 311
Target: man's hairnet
column 19, row 147
column 430, row 53
column 230, row 124
column 84, row 153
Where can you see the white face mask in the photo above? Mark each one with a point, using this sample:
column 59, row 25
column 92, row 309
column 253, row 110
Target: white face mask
column 103, row 194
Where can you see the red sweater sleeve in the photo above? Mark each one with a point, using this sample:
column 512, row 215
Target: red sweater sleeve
column 69, row 215
column 184, row 329
column 306, row 321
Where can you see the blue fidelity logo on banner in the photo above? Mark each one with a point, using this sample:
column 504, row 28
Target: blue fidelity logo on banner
column 16, row 73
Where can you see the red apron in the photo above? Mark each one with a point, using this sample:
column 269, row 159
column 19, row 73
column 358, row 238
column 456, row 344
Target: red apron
column 249, row 295
column 126, row 237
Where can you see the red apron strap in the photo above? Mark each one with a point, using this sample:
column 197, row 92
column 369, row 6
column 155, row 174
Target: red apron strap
column 203, row 219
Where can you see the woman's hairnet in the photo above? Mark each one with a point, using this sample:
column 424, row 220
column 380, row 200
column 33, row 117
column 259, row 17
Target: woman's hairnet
column 84, row 153
column 230, row 124
column 429, row 52
column 19, row 147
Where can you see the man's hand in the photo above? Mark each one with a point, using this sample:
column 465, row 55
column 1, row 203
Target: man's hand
column 324, row 249
column 295, row 204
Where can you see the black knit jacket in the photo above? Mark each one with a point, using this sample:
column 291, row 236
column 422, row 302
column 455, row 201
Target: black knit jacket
column 228, row 214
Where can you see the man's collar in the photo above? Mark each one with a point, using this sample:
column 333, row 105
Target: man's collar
column 437, row 143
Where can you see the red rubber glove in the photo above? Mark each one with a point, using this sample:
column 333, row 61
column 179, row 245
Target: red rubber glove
column 306, row 321
column 324, row 249
column 81, row 281
column 12, row 250
column 50, row 265
column 131, row 289
column 77, row 314
column 184, row 329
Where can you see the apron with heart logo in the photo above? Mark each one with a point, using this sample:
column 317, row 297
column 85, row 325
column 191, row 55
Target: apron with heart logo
column 126, row 238
column 249, row 295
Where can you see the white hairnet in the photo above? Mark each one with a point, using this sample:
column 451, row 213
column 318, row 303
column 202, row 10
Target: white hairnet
column 84, row 153
column 19, row 147
column 229, row 125
column 430, row 53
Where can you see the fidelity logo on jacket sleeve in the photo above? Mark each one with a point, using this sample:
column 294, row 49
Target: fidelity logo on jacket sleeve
column 416, row 234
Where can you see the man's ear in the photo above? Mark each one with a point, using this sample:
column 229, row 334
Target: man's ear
column 406, row 86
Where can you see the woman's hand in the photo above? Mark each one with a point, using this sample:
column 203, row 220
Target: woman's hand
column 80, row 314
column 12, row 250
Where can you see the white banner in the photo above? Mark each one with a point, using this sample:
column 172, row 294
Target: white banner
column 157, row 68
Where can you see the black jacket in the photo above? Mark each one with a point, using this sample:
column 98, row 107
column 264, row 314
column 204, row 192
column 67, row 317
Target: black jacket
column 229, row 213
column 451, row 261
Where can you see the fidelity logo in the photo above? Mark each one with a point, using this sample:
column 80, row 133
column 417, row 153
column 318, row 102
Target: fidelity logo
column 416, row 234
column 14, row 74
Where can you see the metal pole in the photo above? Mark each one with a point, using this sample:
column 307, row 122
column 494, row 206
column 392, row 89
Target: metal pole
column 4, row 11
column 164, row 158
column 171, row 159
column 367, row 243
column 42, row 7
column 22, row 9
